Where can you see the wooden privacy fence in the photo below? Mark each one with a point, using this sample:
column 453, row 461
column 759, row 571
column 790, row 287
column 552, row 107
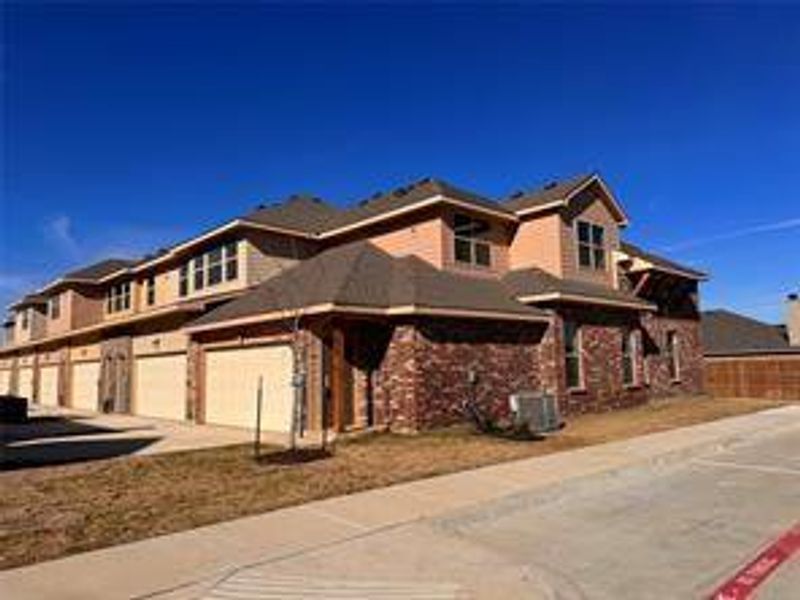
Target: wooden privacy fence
column 775, row 376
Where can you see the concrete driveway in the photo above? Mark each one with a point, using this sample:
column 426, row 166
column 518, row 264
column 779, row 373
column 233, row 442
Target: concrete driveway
column 669, row 515
column 57, row 436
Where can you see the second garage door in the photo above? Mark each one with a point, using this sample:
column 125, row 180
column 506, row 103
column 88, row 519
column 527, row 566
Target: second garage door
column 232, row 384
column 85, row 376
column 160, row 386
column 25, row 383
column 48, row 385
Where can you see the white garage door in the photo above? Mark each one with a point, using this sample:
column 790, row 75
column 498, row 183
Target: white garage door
column 232, row 384
column 48, row 385
column 85, row 376
column 25, row 383
column 5, row 381
column 160, row 389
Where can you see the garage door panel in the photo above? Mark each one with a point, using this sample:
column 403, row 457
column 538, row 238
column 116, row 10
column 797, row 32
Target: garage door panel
column 5, row 381
column 232, row 378
column 25, row 383
column 160, row 386
column 48, row 385
column 84, row 385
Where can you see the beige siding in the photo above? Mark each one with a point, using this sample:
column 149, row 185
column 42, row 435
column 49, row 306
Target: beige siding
column 160, row 386
column 87, row 306
column 64, row 321
column 595, row 212
column 537, row 243
column 85, row 377
column 84, row 352
column 231, row 385
column 48, row 385
column 423, row 239
column 160, row 343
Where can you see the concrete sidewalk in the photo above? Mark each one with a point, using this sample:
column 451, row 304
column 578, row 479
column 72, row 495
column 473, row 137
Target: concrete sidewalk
column 192, row 563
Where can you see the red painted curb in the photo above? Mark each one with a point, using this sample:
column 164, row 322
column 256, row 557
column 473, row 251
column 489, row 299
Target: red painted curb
column 744, row 583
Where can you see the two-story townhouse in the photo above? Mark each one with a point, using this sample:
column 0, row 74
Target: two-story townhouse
column 389, row 313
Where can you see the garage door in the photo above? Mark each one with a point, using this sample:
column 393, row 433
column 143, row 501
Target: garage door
column 48, row 385
column 85, row 376
column 25, row 383
column 232, row 383
column 5, row 381
column 160, row 386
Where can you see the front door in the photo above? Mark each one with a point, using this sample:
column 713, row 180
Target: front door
column 115, row 379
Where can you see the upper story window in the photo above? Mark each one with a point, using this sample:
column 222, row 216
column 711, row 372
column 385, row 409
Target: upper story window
column 183, row 281
column 572, row 355
column 219, row 264
column 468, row 247
column 151, row 290
column 591, row 245
column 54, row 306
column 629, row 356
column 26, row 319
column 118, row 297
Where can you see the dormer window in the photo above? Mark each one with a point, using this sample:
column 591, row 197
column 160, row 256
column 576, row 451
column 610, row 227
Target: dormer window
column 54, row 307
column 151, row 290
column 591, row 246
column 26, row 319
column 468, row 247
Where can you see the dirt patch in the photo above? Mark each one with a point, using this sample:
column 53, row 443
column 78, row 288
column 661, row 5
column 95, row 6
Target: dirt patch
column 51, row 512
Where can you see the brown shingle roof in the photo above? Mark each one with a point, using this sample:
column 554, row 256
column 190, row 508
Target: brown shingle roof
column 726, row 333
column 535, row 282
column 660, row 261
column 98, row 270
column 307, row 214
column 552, row 192
column 406, row 196
column 362, row 275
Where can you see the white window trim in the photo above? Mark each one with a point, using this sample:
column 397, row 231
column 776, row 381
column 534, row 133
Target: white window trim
column 592, row 247
column 581, row 387
column 633, row 351
column 675, row 355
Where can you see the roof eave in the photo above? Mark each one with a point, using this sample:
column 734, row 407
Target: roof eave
column 586, row 299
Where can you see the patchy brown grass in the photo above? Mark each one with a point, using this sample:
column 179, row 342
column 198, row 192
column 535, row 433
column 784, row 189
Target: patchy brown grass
column 50, row 512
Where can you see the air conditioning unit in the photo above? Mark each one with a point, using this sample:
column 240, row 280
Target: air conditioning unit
column 535, row 411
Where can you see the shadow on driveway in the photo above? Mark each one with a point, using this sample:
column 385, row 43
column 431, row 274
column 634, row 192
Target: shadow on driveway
column 29, row 456
column 42, row 427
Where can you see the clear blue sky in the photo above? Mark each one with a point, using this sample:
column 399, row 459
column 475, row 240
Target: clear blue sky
column 127, row 127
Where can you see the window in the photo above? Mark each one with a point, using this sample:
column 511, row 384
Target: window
column 151, row 290
column 629, row 349
column 183, row 281
column 468, row 247
column 231, row 261
column 572, row 355
column 54, row 306
column 673, row 360
column 26, row 319
column 119, row 297
column 199, row 272
column 591, row 246
column 215, row 266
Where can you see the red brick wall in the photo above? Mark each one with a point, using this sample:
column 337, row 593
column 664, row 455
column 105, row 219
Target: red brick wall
column 690, row 352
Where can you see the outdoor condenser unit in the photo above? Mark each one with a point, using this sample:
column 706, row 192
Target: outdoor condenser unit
column 535, row 411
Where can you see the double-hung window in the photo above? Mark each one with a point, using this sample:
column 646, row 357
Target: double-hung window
column 215, row 266
column 591, row 246
column 55, row 306
column 469, row 247
column 572, row 355
column 119, row 297
column 629, row 353
column 26, row 318
column 183, row 281
column 199, row 272
column 231, row 261
column 151, row 290
column 673, row 358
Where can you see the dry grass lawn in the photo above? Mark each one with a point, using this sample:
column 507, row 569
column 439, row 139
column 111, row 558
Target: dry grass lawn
column 50, row 512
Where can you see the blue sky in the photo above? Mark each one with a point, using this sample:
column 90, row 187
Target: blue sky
column 127, row 127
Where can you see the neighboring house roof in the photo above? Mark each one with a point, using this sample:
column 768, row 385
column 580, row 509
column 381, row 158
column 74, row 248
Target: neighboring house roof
column 360, row 276
column 307, row 214
column 728, row 333
column 30, row 300
column 659, row 262
column 535, row 285
column 405, row 198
